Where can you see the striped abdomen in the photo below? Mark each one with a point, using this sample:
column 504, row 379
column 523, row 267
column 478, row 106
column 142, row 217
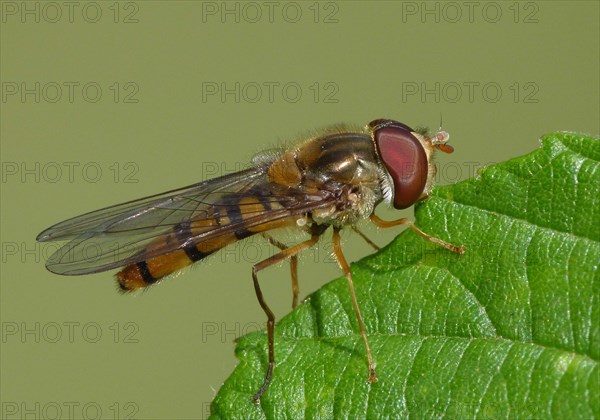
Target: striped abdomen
column 147, row 272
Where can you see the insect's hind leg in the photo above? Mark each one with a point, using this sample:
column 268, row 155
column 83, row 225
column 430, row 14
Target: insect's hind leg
column 316, row 232
column 293, row 268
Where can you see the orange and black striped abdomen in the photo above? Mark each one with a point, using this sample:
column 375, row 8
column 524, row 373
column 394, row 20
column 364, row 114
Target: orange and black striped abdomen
column 147, row 272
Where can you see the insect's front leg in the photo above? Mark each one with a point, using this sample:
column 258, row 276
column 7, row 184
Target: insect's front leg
column 316, row 232
column 404, row 221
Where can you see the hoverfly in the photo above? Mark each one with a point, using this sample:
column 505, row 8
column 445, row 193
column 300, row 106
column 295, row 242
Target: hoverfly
column 335, row 179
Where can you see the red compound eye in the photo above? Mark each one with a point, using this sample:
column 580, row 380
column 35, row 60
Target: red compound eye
column 405, row 159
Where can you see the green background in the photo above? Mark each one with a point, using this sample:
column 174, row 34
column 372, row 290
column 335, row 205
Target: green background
column 175, row 342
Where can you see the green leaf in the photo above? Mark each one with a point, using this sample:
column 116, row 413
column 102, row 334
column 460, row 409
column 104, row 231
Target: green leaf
column 510, row 329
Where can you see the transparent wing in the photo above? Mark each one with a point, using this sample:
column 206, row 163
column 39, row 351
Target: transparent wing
column 152, row 211
column 119, row 235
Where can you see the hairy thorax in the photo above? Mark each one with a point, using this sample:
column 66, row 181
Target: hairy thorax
column 345, row 169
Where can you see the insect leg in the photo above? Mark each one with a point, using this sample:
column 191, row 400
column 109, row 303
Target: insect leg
column 367, row 240
column 272, row 260
column 293, row 268
column 337, row 249
column 386, row 224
